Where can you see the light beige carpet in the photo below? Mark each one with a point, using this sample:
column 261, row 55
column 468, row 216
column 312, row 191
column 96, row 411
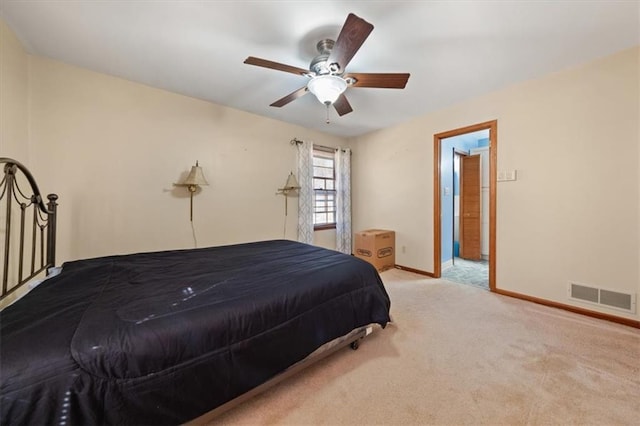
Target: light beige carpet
column 459, row 355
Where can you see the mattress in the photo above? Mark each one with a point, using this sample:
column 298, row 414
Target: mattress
column 163, row 337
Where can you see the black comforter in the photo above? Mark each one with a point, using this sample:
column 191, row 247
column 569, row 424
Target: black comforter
column 161, row 338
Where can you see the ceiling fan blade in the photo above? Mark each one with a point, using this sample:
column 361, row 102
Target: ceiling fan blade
column 275, row 65
column 290, row 97
column 381, row 80
column 354, row 32
column 342, row 105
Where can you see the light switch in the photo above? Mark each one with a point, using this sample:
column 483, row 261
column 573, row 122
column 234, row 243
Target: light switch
column 507, row 175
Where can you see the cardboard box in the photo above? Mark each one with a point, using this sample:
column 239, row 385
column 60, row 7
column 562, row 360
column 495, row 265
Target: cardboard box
column 376, row 246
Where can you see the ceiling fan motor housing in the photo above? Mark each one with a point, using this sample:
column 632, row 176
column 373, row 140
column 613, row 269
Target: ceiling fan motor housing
column 319, row 64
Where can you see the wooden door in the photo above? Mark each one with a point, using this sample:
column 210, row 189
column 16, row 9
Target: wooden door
column 470, row 219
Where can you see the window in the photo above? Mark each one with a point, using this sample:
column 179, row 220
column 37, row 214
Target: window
column 324, row 186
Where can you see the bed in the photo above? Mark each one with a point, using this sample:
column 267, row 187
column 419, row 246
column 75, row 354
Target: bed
column 170, row 336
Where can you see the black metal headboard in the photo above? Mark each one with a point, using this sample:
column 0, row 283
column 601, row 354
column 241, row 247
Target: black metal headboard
column 27, row 252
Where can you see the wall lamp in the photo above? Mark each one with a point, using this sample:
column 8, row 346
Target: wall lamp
column 192, row 182
column 290, row 186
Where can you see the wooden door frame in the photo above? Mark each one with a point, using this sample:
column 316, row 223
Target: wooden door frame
column 492, row 126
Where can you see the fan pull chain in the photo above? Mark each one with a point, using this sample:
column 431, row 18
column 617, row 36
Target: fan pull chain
column 327, row 104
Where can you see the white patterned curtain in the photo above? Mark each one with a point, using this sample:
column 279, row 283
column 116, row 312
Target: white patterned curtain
column 305, row 199
column 343, row 200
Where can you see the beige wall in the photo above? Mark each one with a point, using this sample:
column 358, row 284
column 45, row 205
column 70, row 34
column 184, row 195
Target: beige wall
column 112, row 149
column 14, row 133
column 572, row 214
column 13, row 96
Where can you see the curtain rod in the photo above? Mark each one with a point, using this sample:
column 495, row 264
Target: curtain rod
column 296, row 141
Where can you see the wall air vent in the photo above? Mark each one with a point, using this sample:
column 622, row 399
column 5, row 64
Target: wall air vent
column 603, row 297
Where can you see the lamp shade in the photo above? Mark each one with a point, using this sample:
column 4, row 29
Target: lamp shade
column 327, row 88
column 292, row 182
column 195, row 177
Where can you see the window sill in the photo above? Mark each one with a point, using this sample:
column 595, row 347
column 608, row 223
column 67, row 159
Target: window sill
column 323, row 227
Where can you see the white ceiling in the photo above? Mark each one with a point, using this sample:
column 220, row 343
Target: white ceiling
column 454, row 50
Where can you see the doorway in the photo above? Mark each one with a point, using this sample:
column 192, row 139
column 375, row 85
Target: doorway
column 465, row 204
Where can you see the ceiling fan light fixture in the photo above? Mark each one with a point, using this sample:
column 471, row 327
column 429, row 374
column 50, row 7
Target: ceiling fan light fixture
column 327, row 88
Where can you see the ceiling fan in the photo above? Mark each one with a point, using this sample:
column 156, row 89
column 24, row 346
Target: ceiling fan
column 327, row 77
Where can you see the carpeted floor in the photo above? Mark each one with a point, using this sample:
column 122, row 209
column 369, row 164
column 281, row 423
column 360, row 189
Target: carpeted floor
column 468, row 272
column 459, row 355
